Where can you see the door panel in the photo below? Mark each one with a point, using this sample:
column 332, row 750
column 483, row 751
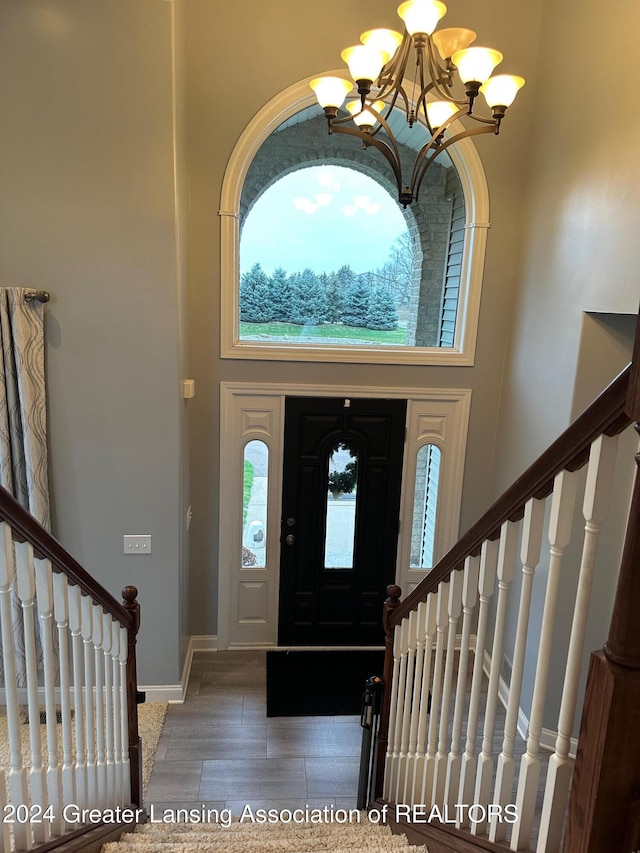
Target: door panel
column 339, row 605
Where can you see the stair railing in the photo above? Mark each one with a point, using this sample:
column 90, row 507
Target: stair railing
column 461, row 750
column 78, row 699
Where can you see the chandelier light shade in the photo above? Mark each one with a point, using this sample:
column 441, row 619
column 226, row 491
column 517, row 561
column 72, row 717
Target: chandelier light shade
column 367, row 117
column 434, row 76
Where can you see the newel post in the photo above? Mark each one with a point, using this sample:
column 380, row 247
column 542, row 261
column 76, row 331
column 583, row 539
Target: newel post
column 130, row 603
column 604, row 809
column 393, row 592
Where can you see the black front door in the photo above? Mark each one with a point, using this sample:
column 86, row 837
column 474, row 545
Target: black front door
column 340, row 511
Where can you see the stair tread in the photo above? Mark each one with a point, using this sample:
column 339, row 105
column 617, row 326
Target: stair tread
column 263, row 838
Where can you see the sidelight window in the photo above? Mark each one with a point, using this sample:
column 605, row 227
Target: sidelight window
column 425, row 504
column 254, row 505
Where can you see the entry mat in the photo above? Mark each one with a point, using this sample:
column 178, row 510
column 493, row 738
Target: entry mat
column 319, row 683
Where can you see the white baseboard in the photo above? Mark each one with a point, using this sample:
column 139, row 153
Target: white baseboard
column 162, row 692
column 203, row 643
column 197, row 643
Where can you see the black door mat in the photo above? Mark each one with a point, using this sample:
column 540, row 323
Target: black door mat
column 319, row 683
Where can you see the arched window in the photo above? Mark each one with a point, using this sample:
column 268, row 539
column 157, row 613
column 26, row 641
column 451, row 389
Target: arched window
column 319, row 261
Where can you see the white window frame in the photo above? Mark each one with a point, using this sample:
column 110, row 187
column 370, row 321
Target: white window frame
column 474, row 184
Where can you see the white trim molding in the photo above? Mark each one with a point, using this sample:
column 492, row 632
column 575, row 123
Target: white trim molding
column 474, row 184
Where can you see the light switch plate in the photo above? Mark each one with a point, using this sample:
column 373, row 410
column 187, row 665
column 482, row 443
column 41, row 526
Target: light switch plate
column 137, row 544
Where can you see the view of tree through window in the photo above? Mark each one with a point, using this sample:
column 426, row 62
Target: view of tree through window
column 325, row 256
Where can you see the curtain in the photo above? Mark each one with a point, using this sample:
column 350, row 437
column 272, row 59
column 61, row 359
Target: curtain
column 23, row 423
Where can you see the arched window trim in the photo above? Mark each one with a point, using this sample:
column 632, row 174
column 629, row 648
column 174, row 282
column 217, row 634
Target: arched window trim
column 472, row 177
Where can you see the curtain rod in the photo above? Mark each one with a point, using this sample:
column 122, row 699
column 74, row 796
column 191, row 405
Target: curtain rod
column 37, row 295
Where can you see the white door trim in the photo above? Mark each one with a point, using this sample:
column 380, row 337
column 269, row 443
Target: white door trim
column 252, row 410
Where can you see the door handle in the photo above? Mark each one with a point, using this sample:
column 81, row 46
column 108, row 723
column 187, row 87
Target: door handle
column 290, row 539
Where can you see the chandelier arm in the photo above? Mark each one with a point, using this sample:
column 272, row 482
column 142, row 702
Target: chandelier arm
column 441, row 77
column 391, row 154
column 396, row 68
column 435, row 143
column 423, row 167
column 424, row 88
column 398, row 92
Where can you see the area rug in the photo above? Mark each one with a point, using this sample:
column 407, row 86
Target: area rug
column 150, row 721
column 279, row 837
column 319, row 683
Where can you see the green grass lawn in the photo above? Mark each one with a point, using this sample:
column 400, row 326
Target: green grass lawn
column 326, row 330
column 246, row 489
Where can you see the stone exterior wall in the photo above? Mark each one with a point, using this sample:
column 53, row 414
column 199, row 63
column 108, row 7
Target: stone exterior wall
column 428, row 220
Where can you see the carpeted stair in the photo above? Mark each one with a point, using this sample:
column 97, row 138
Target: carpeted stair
column 266, row 838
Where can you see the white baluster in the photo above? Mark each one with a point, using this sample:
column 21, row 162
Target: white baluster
column 403, row 632
column 486, row 585
column 78, row 695
column 44, row 596
column 117, row 720
column 126, row 778
column 108, row 707
column 86, row 629
column 25, row 586
column 454, row 606
column 61, row 614
column 530, row 555
column 414, row 716
column 5, row 834
column 442, row 623
column 562, row 510
column 101, row 759
column 469, row 598
column 429, row 628
column 602, row 458
column 406, row 707
column 17, row 781
column 393, row 707
column 506, row 572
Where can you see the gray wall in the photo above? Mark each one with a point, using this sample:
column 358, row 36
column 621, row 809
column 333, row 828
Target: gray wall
column 87, row 211
column 259, row 68
column 580, row 248
column 114, row 135
column 580, row 254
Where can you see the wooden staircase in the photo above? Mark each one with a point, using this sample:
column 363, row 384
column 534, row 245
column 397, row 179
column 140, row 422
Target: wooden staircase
column 451, row 730
column 447, row 644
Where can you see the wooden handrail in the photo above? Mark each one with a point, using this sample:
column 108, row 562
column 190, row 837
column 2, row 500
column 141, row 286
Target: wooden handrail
column 607, row 414
column 25, row 528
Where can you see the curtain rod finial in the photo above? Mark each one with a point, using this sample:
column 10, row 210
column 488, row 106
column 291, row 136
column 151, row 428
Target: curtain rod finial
column 37, row 296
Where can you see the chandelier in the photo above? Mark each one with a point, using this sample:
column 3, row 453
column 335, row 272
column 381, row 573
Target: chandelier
column 379, row 67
